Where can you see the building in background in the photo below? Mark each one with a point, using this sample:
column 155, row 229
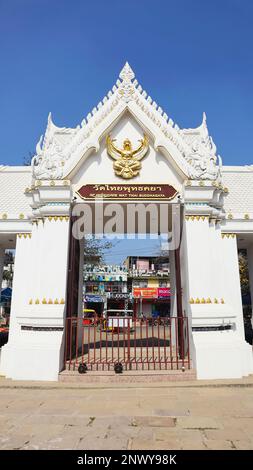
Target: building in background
column 105, row 287
column 149, row 281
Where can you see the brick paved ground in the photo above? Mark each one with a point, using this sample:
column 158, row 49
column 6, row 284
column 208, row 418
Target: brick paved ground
column 195, row 415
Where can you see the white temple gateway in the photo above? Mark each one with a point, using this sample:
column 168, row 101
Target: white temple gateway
column 127, row 144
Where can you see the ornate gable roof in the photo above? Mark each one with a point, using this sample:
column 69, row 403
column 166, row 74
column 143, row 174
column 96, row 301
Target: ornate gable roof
column 192, row 150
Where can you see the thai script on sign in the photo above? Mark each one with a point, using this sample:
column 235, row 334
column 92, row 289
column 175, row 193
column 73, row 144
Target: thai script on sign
column 127, row 191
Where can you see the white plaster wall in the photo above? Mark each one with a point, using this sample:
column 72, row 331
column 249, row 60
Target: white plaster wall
column 213, row 272
column 250, row 266
column 231, row 280
column 98, row 167
column 20, row 292
column 40, row 272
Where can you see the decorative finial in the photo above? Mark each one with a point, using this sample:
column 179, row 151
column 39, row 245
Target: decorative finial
column 126, row 87
column 126, row 73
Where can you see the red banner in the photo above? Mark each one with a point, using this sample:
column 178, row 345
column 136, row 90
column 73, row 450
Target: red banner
column 163, row 292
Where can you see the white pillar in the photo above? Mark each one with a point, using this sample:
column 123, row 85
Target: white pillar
column 35, row 348
column 2, row 252
column 20, row 292
column 211, row 267
column 250, row 266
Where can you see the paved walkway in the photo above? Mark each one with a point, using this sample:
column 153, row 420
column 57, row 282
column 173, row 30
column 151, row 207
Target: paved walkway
column 191, row 415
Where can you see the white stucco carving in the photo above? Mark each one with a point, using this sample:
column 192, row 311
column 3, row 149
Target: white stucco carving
column 194, row 150
column 49, row 160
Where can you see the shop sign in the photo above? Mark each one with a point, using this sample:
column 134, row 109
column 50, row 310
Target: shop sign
column 163, row 292
column 112, row 295
column 93, row 298
column 145, row 292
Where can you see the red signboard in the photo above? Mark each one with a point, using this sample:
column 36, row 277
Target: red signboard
column 163, row 292
column 127, row 191
column 145, row 292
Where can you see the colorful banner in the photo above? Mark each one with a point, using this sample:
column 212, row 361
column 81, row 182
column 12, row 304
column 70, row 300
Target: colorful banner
column 163, row 292
column 145, row 292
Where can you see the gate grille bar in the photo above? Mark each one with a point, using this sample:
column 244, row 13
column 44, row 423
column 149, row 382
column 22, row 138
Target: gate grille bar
column 138, row 344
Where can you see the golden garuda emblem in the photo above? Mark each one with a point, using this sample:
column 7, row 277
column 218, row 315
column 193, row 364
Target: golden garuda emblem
column 127, row 161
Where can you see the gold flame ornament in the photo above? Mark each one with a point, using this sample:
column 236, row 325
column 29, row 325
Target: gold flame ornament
column 127, row 161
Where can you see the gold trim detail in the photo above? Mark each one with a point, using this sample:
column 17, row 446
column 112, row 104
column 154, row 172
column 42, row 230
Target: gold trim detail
column 57, row 217
column 24, row 235
column 197, row 217
column 44, row 301
column 206, row 301
column 230, row 216
column 246, row 216
column 228, row 235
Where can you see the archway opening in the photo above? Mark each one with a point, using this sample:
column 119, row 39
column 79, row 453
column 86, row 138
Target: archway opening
column 125, row 305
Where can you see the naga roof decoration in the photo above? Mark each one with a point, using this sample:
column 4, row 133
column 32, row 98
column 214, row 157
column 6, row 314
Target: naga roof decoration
column 61, row 148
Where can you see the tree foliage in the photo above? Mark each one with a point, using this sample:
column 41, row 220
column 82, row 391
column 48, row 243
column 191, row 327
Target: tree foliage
column 95, row 249
column 244, row 272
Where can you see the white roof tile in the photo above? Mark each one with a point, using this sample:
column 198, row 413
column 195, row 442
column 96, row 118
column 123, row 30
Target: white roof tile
column 239, row 181
column 13, row 182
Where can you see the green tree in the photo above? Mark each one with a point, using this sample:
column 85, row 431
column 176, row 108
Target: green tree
column 244, row 272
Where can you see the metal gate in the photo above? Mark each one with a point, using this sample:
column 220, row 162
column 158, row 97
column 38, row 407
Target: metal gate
column 149, row 344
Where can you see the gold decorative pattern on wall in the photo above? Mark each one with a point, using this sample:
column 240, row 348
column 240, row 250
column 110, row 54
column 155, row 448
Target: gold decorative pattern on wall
column 228, row 235
column 208, row 300
column 24, row 235
column 197, row 217
column 44, row 301
column 57, row 217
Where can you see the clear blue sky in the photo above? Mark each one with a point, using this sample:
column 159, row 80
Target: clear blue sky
column 64, row 55
column 122, row 248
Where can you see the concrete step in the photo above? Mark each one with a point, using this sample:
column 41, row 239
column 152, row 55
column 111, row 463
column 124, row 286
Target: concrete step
column 140, row 376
